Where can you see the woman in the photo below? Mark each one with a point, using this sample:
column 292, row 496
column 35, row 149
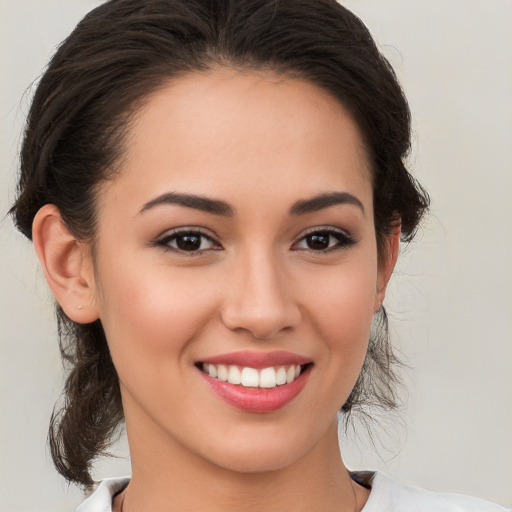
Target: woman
column 216, row 193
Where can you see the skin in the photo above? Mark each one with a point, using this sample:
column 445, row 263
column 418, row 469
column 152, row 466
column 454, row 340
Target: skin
column 259, row 143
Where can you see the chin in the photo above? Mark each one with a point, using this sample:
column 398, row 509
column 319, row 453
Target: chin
column 258, row 454
column 257, row 462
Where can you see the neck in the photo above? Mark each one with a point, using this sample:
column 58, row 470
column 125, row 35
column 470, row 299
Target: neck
column 173, row 479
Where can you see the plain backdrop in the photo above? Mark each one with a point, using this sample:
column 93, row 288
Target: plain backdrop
column 450, row 303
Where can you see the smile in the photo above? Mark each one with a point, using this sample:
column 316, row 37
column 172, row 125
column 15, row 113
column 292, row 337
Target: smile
column 248, row 377
column 256, row 382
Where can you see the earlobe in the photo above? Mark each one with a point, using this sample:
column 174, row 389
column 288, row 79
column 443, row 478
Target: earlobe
column 66, row 265
column 386, row 265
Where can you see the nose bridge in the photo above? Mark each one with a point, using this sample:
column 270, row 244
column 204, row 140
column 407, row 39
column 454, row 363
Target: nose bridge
column 260, row 299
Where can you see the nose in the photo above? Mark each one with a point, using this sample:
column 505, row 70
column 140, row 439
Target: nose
column 260, row 299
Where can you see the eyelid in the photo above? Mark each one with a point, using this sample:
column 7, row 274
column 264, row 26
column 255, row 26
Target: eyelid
column 347, row 238
column 187, row 229
column 164, row 239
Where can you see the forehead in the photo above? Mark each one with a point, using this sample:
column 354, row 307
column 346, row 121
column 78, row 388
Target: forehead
column 246, row 132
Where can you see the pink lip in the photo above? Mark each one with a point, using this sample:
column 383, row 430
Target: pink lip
column 257, row 400
column 258, row 360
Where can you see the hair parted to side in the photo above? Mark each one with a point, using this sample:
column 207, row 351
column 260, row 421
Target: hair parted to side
column 124, row 50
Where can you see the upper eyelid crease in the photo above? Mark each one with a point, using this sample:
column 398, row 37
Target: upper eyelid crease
column 325, row 229
column 185, row 231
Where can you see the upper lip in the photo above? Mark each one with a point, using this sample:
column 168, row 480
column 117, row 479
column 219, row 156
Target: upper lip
column 257, row 360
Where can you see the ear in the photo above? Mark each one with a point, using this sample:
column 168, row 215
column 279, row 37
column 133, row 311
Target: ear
column 386, row 264
column 66, row 264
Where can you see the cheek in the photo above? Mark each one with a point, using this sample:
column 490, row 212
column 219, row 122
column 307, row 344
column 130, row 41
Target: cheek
column 343, row 298
column 346, row 329
column 153, row 315
column 341, row 310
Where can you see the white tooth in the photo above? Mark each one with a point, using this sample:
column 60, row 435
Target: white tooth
column 212, row 370
column 290, row 374
column 205, row 368
column 222, row 373
column 281, row 376
column 234, row 376
column 250, row 378
column 268, row 378
column 297, row 370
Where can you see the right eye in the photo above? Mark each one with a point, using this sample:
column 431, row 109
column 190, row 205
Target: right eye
column 189, row 241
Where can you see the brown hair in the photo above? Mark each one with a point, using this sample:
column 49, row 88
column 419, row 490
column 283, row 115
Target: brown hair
column 120, row 53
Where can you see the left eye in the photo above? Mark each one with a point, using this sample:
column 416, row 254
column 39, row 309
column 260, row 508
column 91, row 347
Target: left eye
column 188, row 241
column 324, row 240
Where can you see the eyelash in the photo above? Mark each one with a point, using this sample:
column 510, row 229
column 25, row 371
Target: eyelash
column 165, row 241
column 344, row 240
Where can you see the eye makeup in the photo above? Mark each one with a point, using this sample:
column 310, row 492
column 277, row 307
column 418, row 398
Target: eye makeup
column 188, row 241
column 191, row 241
column 324, row 239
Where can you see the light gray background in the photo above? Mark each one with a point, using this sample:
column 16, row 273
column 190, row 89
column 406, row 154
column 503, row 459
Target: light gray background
column 449, row 302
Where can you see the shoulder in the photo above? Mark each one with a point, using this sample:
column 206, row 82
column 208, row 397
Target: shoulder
column 388, row 495
column 101, row 499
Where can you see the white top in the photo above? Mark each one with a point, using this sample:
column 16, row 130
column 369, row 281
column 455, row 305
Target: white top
column 386, row 495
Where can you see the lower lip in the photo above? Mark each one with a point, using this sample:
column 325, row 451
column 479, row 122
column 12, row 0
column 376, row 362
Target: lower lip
column 257, row 399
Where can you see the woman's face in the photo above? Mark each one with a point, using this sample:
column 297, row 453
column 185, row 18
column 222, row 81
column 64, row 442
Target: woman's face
column 238, row 238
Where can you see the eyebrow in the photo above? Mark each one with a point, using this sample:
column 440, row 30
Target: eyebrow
column 202, row 203
column 218, row 207
column 325, row 201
